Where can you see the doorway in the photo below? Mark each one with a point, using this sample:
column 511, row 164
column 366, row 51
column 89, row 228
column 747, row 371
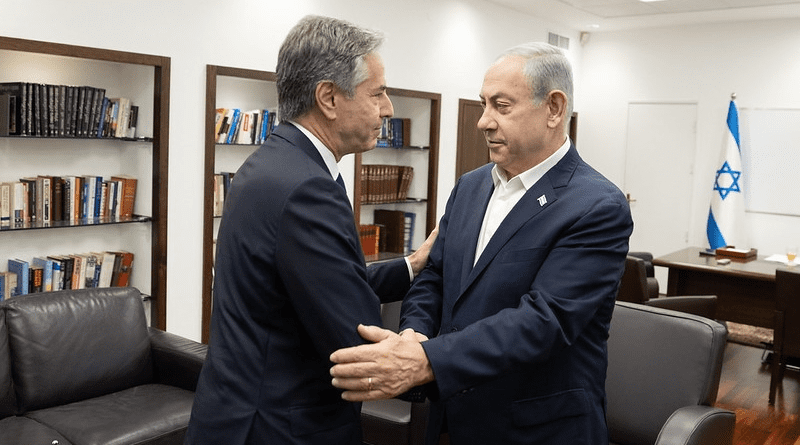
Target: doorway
column 659, row 169
column 471, row 150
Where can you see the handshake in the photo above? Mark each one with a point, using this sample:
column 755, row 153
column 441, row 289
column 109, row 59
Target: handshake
column 389, row 367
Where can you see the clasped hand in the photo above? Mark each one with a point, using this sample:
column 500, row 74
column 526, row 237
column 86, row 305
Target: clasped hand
column 390, row 366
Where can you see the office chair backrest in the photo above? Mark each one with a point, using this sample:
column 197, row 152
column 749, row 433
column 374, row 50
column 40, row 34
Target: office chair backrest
column 633, row 285
column 787, row 301
column 658, row 361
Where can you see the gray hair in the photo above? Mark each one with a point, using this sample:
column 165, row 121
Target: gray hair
column 320, row 49
column 546, row 69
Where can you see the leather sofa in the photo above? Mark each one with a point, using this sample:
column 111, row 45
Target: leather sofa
column 81, row 367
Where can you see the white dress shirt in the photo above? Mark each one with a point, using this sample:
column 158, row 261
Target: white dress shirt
column 507, row 194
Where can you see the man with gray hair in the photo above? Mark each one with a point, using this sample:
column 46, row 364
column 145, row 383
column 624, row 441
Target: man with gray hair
column 520, row 287
column 290, row 281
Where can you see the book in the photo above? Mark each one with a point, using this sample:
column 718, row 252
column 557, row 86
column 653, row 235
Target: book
column 405, row 177
column 21, row 268
column 133, row 121
column 8, row 120
column 8, row 282
column 36, row 277
column 247, row 127
column 44, row 195
column 19, row 203
column 127, row 195
column 14, row 98
column 5, row 204
column 57, row 198
column 370, row 239
column 393, row 231
column 219, row 119
column 409, row 231
column 106, row 263
column 123, row 115
column 236, row 115
column 58, row 276
column 46, row 265
column 78, row 272
column 219, row 194
column 89, row 272
column 31, row 207
column 67, row 269
column 122, row 276
column 224, row 126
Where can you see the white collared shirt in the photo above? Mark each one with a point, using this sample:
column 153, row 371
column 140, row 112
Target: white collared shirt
column 507, row 194
column 325, row 152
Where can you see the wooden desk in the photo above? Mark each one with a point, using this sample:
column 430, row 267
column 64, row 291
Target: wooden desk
column 745, row 290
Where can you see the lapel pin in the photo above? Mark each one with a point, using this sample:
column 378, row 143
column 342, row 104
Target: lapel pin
column 542, row 201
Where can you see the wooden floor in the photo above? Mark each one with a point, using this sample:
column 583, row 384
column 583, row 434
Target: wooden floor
column 744, row 388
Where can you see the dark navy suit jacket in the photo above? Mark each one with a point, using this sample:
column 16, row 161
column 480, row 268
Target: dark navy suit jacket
column 290, row 288
column 518, row 342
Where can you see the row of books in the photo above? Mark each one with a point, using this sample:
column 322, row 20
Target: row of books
column 381, row 183
column 61, row 272
column 44, row 199
column 395, row 132
column 390, row 232
column 234, row 126
column 222, row 182
column 35, row 109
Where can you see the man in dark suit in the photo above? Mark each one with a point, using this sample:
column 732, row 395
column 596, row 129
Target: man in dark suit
column 291, row 284
column 520, row 287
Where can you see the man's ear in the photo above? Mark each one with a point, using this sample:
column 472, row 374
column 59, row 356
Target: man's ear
column 556, row 102
column 325, row 95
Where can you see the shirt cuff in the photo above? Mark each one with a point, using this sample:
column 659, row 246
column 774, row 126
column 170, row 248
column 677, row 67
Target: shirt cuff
column 410, row 269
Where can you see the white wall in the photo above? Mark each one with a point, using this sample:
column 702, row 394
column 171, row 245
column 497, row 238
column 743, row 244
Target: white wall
column 703, row 64
column 443, row 46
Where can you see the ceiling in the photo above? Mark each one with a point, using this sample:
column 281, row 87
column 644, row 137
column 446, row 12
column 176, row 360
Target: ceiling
column 612, row 15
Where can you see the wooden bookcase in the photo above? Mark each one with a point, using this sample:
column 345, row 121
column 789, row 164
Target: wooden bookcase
column 227, row 87
column 146, row 80
column 423, row 109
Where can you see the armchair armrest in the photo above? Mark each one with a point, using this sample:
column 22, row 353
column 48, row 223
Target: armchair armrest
column 177, row 361
column 697, row 425
column 702, row 305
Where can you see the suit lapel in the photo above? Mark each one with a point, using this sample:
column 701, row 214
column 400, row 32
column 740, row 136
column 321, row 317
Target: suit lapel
column 536, row 199
column 472, row 227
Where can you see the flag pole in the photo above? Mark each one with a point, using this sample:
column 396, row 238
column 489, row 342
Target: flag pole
column 733, row 96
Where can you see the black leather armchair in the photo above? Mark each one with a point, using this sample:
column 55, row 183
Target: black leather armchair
column 664, row 368
column 82, row 367
column 638, row 285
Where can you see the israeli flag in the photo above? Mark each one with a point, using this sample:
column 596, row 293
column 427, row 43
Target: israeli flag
column 726, row 216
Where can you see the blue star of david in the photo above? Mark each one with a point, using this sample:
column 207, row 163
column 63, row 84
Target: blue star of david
column 734, row 183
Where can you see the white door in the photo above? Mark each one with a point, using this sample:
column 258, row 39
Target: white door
column 659, row 164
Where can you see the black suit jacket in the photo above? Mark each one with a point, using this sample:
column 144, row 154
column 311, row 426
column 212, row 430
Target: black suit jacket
column 290, row 288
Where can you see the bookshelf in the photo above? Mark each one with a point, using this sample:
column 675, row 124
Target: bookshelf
column 226, row 87
column 421, row 152
column 143, row 78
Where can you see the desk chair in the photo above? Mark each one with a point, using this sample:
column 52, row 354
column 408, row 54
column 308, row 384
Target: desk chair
column 393, row 421
column 786, row 336
column 637, row 287
column 663, row 376
column 649, row 268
